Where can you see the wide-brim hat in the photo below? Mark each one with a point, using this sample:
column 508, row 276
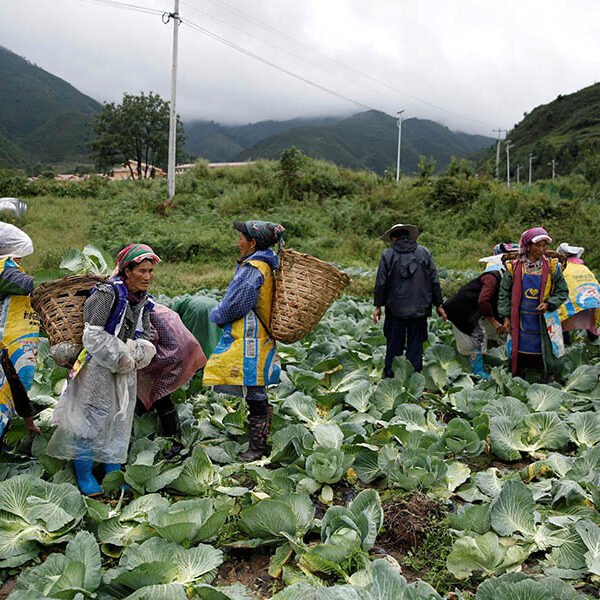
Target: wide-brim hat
column 413, row 232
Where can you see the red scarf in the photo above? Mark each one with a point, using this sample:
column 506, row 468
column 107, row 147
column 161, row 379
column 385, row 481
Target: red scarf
column 517, row 292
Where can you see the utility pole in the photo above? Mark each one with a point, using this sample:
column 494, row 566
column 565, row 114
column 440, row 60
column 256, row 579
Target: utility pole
column 531, row 159
column 553, row 162
column 508, row 144
column 499, row 132
column 519, row 167
column 173, row 112
column 399, row 123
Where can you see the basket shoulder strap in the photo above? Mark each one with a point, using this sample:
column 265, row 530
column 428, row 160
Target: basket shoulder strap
column 263, row 324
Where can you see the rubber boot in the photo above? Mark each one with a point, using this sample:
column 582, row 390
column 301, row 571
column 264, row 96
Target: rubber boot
column 171, row 428
column 476, row 362
column 258, row 431
column 110, row 467
column 85, row 479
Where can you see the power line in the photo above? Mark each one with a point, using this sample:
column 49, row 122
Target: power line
column 126, row 6
column 270, row 63
column 203, row 30
column 286, row 36
column 286, row 51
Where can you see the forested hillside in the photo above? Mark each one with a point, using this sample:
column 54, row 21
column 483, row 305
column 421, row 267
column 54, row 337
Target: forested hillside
column 369, row 140
column 42, row 117
column 566, row 130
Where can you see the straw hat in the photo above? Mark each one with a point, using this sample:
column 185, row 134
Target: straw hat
column 413, row 232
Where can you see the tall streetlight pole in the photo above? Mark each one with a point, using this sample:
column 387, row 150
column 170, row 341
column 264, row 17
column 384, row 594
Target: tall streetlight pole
column 399, row 123
column 508, row 146
column 499, row 132
column 531, row 159
column 173, row 111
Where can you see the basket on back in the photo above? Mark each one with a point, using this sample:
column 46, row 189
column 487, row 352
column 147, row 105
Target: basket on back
column 305, row 288
column 562, row 258
column 59, row 305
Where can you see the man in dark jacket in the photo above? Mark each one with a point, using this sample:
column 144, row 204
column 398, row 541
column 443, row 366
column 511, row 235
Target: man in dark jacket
column 407, row 285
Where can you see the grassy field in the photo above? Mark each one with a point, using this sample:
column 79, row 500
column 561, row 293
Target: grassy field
column 329, row 212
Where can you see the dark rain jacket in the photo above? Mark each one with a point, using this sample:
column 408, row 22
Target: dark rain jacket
column 407, row 282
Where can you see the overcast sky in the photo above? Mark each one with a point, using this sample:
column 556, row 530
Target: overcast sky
column 474, row 65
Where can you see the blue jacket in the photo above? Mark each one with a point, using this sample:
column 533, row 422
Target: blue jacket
column 242, row 292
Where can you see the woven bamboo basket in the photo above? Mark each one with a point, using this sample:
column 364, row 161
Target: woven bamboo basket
column 562, row 258
column 59, row 305
column 305, row 287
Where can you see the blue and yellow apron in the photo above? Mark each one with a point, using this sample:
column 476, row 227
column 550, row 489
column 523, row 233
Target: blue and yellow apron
column 245, row 354
column 584, row 292
column 19, row 333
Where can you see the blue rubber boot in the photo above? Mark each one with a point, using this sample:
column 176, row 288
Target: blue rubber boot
column 476, row 362
column 85, row 479
column 110, row 467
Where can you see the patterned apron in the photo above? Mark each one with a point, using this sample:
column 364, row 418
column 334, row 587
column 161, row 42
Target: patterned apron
column 530, row 340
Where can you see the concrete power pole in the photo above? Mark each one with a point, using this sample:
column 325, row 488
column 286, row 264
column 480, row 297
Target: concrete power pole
column 173, row 112
column 399, row 123
column 508, row 146
column 531, row 159
column 553, row 162
column 519, row 167
column 499, row 132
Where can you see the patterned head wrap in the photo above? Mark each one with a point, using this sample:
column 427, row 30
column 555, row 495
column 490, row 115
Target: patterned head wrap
column 504, row 247
column 135, row 253
column 532, row 236
column 264, row 232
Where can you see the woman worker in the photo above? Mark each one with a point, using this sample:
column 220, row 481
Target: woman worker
column 20, row 331
column 473, row 311
column 245, row 361
column 580, row 310
column 95, row 412
column 531, row 286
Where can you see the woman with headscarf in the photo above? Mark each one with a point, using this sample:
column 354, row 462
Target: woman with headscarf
column 580, row 310
column 95, row 412
column 245, row 360
column 473, row 311
column 20, row 329
column 531, row 286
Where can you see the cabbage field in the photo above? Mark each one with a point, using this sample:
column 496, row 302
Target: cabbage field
column 425, row 486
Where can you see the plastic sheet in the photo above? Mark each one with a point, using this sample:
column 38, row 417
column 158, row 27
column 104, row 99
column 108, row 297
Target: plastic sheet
column 14, row 242
column 178, row 357
column 95, row 411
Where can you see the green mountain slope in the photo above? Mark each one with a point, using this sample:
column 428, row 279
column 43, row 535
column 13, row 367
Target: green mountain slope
column 370, row 140
column 217, row 142
column 566, row 129
column 44, row 118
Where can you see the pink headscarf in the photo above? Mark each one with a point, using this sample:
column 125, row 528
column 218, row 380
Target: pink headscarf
column 532, row 236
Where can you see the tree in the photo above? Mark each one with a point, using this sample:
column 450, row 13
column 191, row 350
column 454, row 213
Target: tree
column 426, row 166
column 291, row 163
column 138, row 130
column 461, row 168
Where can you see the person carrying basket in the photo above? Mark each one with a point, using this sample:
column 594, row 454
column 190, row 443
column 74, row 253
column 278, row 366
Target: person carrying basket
column 245, row 360
column 95, row 412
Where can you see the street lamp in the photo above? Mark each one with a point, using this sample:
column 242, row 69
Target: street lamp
column 508, row 146
column 531, row 159
column 399, row 123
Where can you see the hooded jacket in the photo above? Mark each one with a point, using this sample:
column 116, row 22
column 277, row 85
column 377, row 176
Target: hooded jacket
column 407, row 282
